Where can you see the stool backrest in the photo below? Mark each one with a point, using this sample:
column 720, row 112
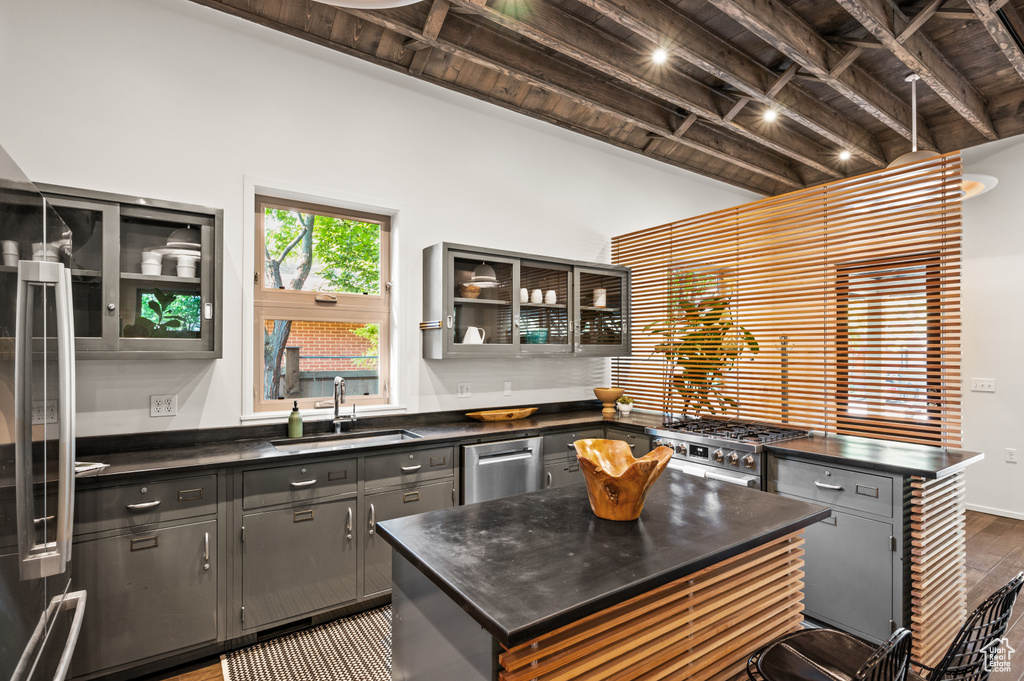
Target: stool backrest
column 980, row 637
column 890, row 661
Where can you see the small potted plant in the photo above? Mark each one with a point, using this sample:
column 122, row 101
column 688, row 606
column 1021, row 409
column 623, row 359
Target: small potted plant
column 624, row 404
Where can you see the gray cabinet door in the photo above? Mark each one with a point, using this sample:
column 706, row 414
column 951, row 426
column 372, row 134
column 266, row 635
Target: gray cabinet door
column 849, row 571
column 388, row 505
column 297, row 560
column 562, row 473
column 149, row 593
column 640, row 443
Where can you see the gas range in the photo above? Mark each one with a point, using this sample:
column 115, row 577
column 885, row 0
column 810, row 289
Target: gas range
column 722, row 449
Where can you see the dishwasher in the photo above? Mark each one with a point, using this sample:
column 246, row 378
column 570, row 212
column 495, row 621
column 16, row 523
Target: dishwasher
column 500, row 469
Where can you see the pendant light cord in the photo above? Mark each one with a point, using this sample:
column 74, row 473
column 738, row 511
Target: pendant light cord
column 912, row 79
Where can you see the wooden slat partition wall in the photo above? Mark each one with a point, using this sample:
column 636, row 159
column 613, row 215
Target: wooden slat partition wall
column 938, row 564
column 807, row 274
column 702, row 626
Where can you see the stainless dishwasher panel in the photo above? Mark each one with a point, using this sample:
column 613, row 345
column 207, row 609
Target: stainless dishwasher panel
column 501, row 469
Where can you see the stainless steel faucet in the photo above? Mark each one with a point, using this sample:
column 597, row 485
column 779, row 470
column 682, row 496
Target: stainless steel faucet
column 339, row 399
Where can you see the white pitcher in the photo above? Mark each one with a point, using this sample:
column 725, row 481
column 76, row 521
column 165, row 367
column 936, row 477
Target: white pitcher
column 474, row 335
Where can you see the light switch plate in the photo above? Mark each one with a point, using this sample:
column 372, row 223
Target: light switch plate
column 983, row 385
column 508, row 388
column 464, row 390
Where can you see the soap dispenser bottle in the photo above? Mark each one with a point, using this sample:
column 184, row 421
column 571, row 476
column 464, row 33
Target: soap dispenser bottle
column 295, row 421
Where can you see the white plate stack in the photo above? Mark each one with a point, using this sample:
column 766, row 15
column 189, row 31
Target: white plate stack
column 182, row 246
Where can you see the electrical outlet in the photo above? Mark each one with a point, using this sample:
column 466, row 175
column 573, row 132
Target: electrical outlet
column 983, row 385
column 508, row 388
column 163, row 405
column 44, row 412
column 464, row 390
column 1011, row 455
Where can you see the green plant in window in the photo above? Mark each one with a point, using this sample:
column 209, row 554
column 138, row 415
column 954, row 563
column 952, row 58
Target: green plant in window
column 165, row 314
column 701, row 342
column 371, row 333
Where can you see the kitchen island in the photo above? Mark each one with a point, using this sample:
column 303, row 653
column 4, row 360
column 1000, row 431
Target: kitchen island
column 533, row 586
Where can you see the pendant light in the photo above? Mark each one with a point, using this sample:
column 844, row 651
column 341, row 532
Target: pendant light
column 970, row 185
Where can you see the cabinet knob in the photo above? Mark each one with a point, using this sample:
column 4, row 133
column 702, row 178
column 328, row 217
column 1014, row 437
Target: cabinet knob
column 111, row 307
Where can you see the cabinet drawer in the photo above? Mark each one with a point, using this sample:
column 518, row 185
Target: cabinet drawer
column 142, row 503
column 409, row 467
column 298, row 483
column 640, row 443
column 559, row 445
column 835, row 486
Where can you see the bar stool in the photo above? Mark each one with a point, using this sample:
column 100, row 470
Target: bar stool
column 830, row 655
column 979, row 638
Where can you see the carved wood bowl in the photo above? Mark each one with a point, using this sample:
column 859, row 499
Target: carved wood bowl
column 617, row 484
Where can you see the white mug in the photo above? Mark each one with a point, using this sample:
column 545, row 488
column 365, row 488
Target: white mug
column 600, row 297
column 474, row 335
column 537, row 296
column 551, row 297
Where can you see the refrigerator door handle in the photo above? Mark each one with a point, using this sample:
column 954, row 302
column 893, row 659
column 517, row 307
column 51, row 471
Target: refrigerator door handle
column 50, row 558
column 73, row 599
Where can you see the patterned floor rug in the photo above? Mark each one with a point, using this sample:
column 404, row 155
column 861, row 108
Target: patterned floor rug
column 356, row 648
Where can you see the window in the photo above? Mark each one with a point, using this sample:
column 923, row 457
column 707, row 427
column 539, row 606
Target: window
column 321, row 304
column 888, row 346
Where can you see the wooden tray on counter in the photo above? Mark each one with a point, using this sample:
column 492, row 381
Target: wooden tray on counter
column 501, row 414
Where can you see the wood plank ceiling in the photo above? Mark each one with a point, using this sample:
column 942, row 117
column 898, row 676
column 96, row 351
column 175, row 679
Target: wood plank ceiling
column 834, row 71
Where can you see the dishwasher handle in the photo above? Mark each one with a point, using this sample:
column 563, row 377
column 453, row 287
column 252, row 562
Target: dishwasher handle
column 505, row 457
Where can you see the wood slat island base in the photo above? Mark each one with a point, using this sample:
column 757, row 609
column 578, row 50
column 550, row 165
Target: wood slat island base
column 702, row 626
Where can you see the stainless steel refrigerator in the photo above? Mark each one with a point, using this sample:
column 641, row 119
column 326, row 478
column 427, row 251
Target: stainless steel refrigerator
column 40, row 616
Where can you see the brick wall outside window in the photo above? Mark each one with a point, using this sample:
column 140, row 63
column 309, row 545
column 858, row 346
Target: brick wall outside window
column 326, row 339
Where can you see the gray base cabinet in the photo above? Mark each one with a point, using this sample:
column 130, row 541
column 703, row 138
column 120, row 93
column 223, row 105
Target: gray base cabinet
column 853, row 568
column 386, row 506
column 297, row 560
column 562, row 473
column 640, row 442
column 150, row 592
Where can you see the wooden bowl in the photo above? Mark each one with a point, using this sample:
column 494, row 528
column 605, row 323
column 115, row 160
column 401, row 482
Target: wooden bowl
column 502, row 414
column 608, row 397
column 470, row 291
column 617, row 484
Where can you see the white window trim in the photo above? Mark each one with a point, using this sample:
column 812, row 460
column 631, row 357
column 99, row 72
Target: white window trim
column 254, row 185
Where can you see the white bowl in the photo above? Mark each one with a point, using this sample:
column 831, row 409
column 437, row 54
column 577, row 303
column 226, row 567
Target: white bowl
column 186, row 270
column 10, row 259
column 152, row 257
column 8, row 246
column 152, row 268
column 47, row 252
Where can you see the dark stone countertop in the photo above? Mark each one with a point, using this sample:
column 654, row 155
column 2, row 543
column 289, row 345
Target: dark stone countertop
column 528, row 564
column 187, row 451
column 881, row 455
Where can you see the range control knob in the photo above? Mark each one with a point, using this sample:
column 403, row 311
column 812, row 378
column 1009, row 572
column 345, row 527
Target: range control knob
column 681, row 449
column 719, row 455
column 748, row 461
column 734, row 459
column 661, row 443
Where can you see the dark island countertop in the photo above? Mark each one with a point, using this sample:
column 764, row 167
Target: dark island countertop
column 192, row 450
column 881, row 455
column 526, row 565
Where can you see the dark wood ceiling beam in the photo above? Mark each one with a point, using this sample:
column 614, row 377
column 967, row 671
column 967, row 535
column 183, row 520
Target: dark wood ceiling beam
column 919, row 19
column 435, row 18
column 886, row 22
column 664, row 26
column 777, row 25
column 994, row 25
column 523, row 62
column 559, row 30
column 756, row 183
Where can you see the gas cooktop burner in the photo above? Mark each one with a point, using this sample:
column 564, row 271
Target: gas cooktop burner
column 733, row 430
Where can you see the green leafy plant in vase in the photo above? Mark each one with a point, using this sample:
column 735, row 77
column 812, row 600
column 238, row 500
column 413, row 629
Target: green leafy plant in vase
column 158, row 320
column 701, row 342
column 624, row 404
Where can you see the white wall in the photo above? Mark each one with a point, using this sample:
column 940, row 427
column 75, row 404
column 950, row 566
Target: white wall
column 170, row 100
column 993, row 336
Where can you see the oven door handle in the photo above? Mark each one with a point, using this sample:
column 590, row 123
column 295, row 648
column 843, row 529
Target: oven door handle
column 505, row 457
column 732, row 479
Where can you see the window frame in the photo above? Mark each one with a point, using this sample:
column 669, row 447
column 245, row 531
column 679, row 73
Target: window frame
column 931, row 428
column 298, row 305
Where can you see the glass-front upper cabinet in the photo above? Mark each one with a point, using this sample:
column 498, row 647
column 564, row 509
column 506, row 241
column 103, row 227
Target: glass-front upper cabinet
column 145, row 275
column 602, row 311
column 486, row 303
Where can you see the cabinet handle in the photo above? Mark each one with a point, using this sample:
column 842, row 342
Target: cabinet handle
column 412, row 469
column 143, row 506
column 305, row 483
column 206, row 552
column 547, row 480
column 825, row 485
column 449, row 319
column 373, row 518
column 348, row 524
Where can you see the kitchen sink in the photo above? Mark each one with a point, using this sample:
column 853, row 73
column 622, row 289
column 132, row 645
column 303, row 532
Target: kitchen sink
column 332, row 443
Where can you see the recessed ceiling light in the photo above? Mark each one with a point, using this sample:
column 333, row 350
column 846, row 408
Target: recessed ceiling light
column 844, row 155
column 770, row 115
column 660, row 56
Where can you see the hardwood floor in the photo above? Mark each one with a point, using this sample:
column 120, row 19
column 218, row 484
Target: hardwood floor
column 995, row 553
